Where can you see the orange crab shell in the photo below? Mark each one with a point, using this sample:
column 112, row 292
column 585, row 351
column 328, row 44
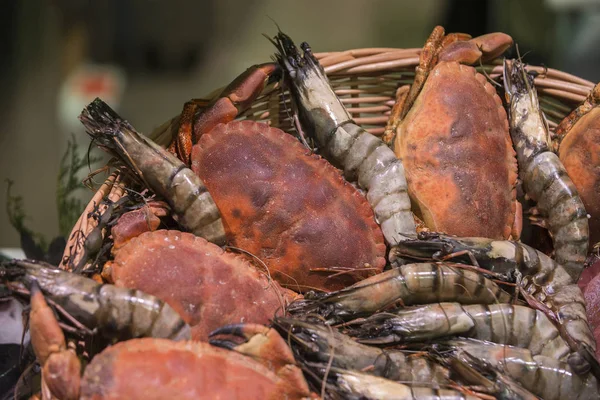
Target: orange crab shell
column 580, row 154
column 162, row 369
column 205, row 285
column 290, row 208
column 457, row 153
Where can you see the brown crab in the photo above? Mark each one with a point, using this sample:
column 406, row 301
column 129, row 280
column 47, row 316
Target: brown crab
column 207, row 286
column 577, row 142
column 152, row 368
column 277, row 200
column 288, row 207
column 451, row 132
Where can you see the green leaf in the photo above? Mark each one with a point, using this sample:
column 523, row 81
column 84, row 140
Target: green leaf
column 69, row 208
column 17, row 216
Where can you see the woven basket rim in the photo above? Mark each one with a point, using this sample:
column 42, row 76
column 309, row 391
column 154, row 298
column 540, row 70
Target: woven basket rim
column 559, row 91
column 376, row 58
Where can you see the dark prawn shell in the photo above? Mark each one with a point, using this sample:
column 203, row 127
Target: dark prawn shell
column 313, row 342
column 116, row 313
column 545, row 179
column 537, row 274
column 408, row 284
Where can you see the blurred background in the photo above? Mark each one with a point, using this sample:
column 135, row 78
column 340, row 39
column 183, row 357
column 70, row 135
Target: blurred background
column 148, row 57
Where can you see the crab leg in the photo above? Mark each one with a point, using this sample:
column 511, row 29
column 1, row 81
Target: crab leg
column 362, row 156
column 544, row 177
column 162, row 172
column 570, row 120
column 181, row 146
column 61, row 368
column 199, row 117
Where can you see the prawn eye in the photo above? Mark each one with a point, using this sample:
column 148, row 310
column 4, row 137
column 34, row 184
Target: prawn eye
column 578, row 363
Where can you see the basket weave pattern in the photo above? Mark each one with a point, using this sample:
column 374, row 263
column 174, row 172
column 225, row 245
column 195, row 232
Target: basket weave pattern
column 366, row 81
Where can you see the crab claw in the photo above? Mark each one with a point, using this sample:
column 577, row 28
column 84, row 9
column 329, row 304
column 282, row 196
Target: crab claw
column 224, row 344
column 485, row 47
column 463, row 52
column 310, row 337
column 61, row 368
column 492, row 45
column 260, row 342
column 46, row 335
column 235, row 330
column 266, row 346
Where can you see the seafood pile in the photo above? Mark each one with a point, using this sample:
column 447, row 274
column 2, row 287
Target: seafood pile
column 243, row 261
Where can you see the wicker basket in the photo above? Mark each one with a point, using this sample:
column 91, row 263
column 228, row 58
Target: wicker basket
column 366, row 80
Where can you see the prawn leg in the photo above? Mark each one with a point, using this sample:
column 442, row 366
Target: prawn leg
column 544, row 376
column 312, row 342
column 472, row 370
column 354, row 384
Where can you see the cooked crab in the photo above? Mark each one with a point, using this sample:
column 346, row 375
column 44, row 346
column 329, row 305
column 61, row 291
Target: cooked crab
column 207, row 286
column 259, row 187
column 151, row 368
column 578, row 144
column 451, row 133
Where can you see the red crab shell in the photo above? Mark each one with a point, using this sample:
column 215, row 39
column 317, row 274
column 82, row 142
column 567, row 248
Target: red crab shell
column 288, row 207
column 163, row 369
column 207, row 286
column 457, row 153
column 580, row 154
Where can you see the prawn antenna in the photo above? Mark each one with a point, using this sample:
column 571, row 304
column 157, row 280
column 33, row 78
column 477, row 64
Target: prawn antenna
column 525, row 76
column 89, row 161
column 489, row 78
column 275, row 22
